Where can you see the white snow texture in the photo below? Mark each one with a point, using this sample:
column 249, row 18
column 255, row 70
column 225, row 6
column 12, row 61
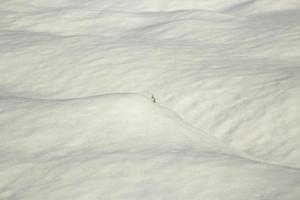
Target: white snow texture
column 149, row 100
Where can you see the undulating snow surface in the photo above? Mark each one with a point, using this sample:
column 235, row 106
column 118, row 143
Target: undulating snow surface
column 149, row 99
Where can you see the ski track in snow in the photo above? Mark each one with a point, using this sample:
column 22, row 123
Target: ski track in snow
column 77, row 85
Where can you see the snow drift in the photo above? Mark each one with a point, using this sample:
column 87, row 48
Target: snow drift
column 95, row 123
column 77, row 118
column 87, row 148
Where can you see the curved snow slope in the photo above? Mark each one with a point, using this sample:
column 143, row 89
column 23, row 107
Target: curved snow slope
column 229, row 69
column 123, row 145
column 237, row 79
column 106, row 123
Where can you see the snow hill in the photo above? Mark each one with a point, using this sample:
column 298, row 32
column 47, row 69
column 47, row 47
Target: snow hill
column 160, row 99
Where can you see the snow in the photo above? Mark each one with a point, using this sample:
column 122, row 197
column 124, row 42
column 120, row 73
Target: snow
column 78, row 80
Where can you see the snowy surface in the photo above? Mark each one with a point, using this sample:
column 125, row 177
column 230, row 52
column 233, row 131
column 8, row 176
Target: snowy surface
column 151, row 99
